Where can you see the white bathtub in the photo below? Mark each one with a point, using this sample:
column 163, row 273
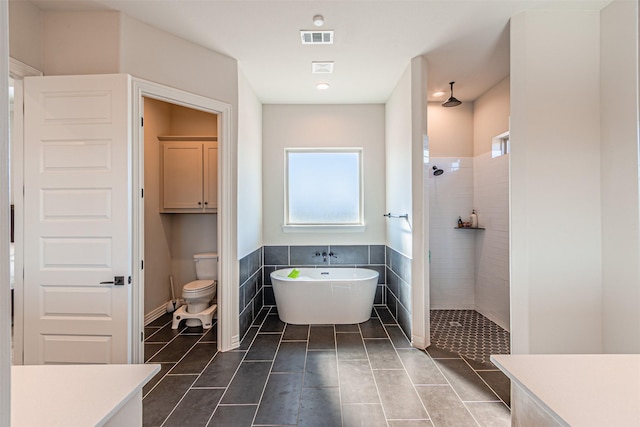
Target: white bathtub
column 325, row 295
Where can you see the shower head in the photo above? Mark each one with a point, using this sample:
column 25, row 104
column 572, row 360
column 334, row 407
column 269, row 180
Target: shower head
column 452, row 101
column 437, row 172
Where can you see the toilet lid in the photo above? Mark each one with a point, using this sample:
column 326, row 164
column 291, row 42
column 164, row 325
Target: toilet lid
column 199, row 285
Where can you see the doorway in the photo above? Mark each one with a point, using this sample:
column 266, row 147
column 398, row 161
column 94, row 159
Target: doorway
column 225, row 217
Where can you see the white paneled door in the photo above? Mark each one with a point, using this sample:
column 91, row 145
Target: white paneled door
column 77, row 233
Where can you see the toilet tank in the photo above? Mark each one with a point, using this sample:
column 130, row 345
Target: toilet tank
column 206, row 265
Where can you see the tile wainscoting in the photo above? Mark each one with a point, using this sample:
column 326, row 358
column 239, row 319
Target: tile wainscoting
column 251, row 294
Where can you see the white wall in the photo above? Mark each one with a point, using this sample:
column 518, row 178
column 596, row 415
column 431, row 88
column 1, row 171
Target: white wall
column 555, row 225
column 398, row 145
column 25, row 33
column 491, row 202
column 249, row 169
column 619, row 162
column 287, row 126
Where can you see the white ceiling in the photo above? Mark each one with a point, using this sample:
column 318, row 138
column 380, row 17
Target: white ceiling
column 466, row 41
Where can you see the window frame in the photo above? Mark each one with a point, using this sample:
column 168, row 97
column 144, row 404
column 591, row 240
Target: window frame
column 289, row 226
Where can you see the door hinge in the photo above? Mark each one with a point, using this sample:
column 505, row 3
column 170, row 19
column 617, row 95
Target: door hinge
column 141, row 336
column 129, row 280
column 142, row 193
column 142, row 121
column 142, row 265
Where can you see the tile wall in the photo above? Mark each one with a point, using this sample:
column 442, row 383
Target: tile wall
column 452, row 251
column 251, row 295
column 491, row 200
column 398, row 289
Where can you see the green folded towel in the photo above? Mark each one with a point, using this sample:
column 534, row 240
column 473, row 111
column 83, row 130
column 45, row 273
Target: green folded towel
column 294, row 273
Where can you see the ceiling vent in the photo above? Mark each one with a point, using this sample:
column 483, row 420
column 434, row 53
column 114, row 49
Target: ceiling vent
column 316, row 37
column 325, row 67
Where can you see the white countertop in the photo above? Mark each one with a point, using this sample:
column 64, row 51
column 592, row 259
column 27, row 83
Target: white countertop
column 73, row 395
column 580, row 390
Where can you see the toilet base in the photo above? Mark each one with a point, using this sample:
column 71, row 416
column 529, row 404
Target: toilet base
column 204, row 318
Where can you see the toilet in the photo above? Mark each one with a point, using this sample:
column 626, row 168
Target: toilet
column 198, row 294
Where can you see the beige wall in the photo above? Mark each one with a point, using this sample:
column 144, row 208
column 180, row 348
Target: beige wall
column 81, row 43
column 556, row 240
column 490, row 116
column 450, row 130
column 171, row 239
column 25, row 33
column 323, row 126
column 619, row 162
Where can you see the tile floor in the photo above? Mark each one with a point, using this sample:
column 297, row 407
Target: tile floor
column 319, row 375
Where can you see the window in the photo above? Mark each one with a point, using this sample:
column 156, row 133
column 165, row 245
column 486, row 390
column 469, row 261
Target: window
column 500, row 145
column 323, row 187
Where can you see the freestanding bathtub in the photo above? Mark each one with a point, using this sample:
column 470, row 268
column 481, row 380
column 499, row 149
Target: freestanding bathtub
column 325, row 295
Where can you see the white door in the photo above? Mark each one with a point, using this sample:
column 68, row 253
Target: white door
column 77, row 219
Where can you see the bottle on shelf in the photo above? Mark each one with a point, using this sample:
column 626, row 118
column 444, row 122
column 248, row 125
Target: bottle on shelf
column 460, row 225
column 474, row 219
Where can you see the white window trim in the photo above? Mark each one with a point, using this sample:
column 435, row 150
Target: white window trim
column 337, row 227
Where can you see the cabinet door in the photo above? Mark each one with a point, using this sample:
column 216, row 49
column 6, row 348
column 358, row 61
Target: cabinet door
column 182, row 175
column 211, row 175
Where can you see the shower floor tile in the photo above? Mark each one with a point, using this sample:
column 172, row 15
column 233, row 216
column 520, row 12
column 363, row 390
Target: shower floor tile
column 324, row 375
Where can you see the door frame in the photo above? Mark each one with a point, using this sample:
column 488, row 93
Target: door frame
column 18, row 71
column 228, row 311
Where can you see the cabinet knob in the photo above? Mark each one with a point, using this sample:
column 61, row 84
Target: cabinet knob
column 206, row 203
column 199, row 203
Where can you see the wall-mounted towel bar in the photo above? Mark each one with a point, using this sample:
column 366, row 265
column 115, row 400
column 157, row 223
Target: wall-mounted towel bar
column 389, row 215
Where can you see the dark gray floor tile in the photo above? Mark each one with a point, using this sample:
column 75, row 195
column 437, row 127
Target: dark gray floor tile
column 382, row 354
column 350, row 347
column 356, row 382
column 174, row 351
column 479, row 364
column 499, row 382
column 385, row 316
column 162, row 320
column 272, row 324
column 348, row 328
column 164, row 368
column 398, row 338
column 211, row 334
column 372, row 328
column 151, row 348
column 399, row 398
column 410, row 423
column 296, row 333
column 290, row 357
column 321, row 369
column 148, row 331
column 360, row 415
column 281, row 400
column 444, row 406
column 195, row 330
column 465, row 381
column 490, row 414
column 221, row 369
column 165, row 334
column 248, row 338
column 320, row 407
column 440, row 353
column 195, row 409
column 321, row 338
column 261, row 316
column 159, row 403
column 233, row 416
column 196, row 359
column 420, row 367
column 248, row 383
column 264, row 347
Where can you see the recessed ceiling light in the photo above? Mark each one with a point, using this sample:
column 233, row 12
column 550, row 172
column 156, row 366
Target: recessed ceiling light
column 318, row 21
column 439, row 93
column 322, row 85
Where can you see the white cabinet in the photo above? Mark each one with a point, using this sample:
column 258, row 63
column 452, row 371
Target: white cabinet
column 189, row 174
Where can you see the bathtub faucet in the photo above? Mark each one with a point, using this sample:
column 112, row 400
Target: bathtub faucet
column 324, row 256
column 331, row 254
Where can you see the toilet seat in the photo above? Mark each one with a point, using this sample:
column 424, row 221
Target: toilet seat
column 198, row 288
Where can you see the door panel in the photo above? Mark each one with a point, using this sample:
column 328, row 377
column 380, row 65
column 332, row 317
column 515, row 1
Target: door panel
column 77, row 219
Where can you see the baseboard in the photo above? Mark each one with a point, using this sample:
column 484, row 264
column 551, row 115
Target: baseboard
column 156, row 313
